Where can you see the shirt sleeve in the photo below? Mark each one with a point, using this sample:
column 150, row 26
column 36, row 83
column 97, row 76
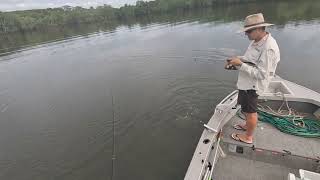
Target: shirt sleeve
column 274, row 61
column 260, row 71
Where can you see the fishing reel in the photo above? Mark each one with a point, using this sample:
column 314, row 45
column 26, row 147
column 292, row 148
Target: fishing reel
column 230, row 67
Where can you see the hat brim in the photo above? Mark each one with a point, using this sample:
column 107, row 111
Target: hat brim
column 256, row 26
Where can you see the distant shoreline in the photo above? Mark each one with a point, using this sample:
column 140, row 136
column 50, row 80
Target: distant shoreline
column 44, row 19
column 282, row 13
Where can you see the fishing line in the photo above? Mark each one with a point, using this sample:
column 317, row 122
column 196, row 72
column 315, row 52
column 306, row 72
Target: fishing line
column 113, row 139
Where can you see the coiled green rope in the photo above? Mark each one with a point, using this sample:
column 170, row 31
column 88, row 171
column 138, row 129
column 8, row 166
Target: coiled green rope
column 303, row 127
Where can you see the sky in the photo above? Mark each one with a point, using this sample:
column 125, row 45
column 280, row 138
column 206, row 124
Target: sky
column 13, row 5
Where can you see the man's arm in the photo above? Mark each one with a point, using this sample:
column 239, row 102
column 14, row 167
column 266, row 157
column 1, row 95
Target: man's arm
column 259, row 71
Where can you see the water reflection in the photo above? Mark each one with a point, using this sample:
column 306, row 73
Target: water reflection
column 280, row 13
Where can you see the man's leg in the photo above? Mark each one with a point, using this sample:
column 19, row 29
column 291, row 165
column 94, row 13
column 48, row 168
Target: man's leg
column 244, row 126
column 251, row 125
column 242, row 96
column 249, row 106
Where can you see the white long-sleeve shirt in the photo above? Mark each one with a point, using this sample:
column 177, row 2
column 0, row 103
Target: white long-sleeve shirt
column 265, row 55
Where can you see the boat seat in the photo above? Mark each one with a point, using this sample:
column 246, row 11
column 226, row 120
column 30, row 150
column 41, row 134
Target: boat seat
column 292, row 177
column 317, row 113
column 308, row 175
column 304, row 175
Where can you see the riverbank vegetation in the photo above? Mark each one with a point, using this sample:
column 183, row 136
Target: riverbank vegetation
column 52, row 18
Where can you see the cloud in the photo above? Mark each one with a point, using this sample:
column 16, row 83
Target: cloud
column 21, row 5
column 10, row 5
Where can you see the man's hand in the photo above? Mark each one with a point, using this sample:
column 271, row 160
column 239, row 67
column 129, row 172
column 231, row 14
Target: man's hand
column 235, row 61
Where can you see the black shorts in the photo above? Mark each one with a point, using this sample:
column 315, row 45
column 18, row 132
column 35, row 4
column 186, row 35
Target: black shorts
column 248, row 99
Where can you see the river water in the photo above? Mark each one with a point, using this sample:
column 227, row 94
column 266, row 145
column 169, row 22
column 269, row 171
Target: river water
column 56, row 97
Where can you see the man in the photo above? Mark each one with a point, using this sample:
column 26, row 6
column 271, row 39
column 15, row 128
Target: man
column 256, row 68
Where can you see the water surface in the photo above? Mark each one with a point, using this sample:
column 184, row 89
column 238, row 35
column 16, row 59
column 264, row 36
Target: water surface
column 56, row 112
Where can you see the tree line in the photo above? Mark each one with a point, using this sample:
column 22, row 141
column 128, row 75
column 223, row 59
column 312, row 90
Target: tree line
column 43, row 19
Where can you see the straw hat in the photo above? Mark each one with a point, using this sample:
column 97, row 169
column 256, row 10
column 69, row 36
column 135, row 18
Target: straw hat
column 254, row 21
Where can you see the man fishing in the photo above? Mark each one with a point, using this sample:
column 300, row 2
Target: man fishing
column 256, row 68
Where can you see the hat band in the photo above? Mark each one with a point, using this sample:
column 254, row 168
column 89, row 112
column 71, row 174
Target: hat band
column 253, row 24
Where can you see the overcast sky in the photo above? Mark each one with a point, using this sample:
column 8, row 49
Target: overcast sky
column 11, row 5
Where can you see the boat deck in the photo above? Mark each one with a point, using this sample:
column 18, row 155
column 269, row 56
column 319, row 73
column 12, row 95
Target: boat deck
column 273, row 161
column 238, row 168
column 268, row 137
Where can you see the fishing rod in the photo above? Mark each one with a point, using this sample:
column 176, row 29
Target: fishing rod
column 217, row 57
column 197, row 58
column 214, row 58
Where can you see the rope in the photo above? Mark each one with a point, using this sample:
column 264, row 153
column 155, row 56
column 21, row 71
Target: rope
column 304, row 127
column 289, row 121
column 297, row 125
